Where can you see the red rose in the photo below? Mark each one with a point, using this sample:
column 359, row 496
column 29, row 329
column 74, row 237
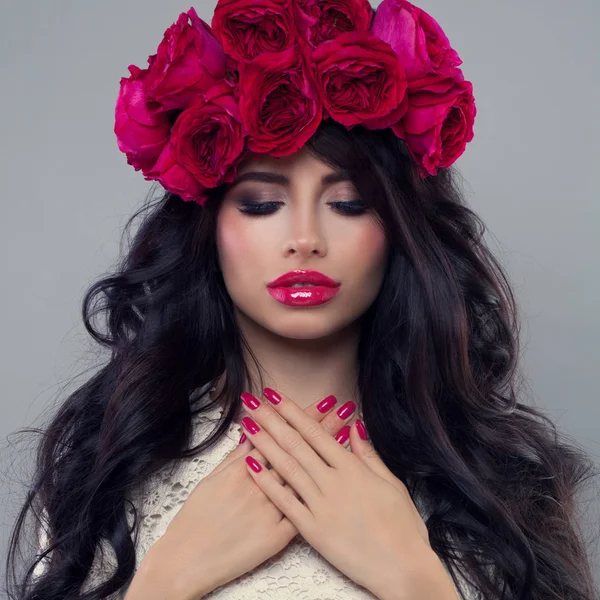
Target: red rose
column 439, row 121
column 207, row 143
column 319, row 21
column 188, row 62
column 361, row 79
column 141, row 132
column 176, row 179
column 279, row 102
column 417, row 39
column 249, row 28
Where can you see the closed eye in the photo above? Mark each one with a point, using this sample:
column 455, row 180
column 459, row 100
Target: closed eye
column 349, row 208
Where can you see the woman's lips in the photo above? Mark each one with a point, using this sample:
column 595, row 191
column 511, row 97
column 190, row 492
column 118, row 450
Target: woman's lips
column 297, row 276
column 310, row 295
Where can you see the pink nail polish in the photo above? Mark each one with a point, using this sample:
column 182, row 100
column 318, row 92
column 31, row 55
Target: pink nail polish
column 254, row 464
column 346, row 410
column 242, row 439
column 272, row 396
column 250, row 425
column 326, row 404
column 361, row 429
column 250, row 401
column 343, row 434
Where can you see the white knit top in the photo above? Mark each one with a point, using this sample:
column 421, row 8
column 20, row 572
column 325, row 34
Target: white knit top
column 298, row 572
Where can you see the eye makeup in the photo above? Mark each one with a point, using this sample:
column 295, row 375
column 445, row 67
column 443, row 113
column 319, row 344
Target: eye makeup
column 256, row 208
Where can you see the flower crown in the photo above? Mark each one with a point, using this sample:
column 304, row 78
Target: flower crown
column 266, row 74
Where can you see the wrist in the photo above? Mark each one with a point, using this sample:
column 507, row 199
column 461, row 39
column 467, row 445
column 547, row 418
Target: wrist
column 159, row 578
column 423, row 577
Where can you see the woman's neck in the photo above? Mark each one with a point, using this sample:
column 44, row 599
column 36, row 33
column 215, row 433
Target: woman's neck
column 305, row 370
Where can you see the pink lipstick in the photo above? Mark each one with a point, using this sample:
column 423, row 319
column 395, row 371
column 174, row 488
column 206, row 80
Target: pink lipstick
column 316, row 288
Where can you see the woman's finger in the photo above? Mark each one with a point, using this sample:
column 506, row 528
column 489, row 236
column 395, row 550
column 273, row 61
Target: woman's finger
column 319, row 444
column 289, row 467
column 321, row 411
column 282, row 497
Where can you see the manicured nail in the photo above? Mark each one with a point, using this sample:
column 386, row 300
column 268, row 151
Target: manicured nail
column 250, row 425
column 346, row 410
column 250, row 401
column 361, row 429
column 326, row 404
column 343, row 434
column 254, row 464
column 242, row 439
column 272, row 396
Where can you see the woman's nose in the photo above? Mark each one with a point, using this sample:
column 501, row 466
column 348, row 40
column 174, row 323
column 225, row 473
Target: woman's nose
column 306, row 247
column 306, row 237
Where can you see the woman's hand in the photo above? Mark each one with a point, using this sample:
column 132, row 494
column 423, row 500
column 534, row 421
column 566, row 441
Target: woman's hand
column 337, row 423
column 225, row 528
column 350, row 507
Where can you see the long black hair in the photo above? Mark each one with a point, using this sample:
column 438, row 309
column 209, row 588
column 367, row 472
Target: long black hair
column 438, row 379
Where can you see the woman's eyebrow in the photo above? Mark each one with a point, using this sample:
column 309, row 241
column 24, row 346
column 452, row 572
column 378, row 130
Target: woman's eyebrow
column 267, row 177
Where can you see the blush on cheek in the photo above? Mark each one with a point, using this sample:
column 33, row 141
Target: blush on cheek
column 373, row 243
column 231, row 235
column 231, row 241
column 237, row 245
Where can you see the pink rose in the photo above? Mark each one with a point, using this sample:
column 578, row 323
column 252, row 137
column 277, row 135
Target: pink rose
column 439, row 121
column 207, row 143
column 188, row 62
column 141, row 132
column 321, row 20
column 416, row 38
column 249, row 28
column 279, row 102
column 361, row 79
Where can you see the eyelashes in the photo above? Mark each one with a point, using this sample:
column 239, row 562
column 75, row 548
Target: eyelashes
column 257, row 209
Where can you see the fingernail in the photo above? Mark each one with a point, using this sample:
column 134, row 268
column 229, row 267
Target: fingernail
column 250, row 401
column 361, row 429
column 242, row 439
column 343, row 434
column 346, row 410
column 254, row 464
column 250, row 425
column 326, row 404
column 272, row 396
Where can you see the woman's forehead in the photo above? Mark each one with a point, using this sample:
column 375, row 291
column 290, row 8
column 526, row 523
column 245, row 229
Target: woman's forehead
column 284, row 163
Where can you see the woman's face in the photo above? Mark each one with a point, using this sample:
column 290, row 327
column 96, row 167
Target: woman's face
column 303, row 228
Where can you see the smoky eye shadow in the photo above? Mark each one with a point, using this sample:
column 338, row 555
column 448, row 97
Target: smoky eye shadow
column 250, row 197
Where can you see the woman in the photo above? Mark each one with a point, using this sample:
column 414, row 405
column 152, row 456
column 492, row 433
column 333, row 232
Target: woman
column 280, row 173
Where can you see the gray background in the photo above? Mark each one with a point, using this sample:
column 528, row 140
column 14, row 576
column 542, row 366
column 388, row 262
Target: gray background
column 531, row 173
